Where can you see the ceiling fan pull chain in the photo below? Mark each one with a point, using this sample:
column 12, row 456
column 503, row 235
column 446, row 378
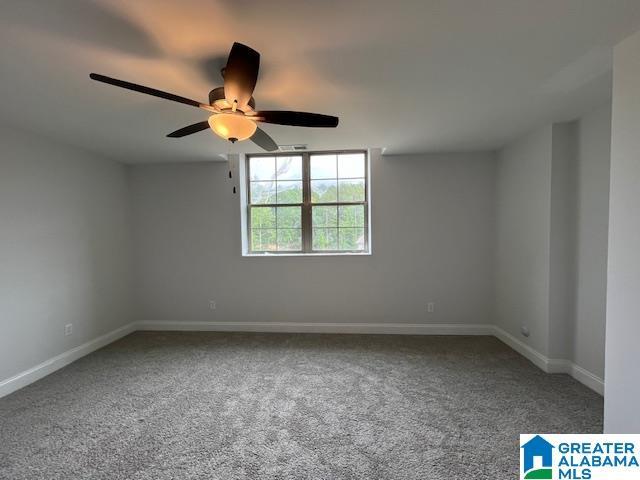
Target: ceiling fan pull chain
column 230, row 168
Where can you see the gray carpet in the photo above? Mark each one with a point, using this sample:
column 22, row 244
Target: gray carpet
column 288, row 406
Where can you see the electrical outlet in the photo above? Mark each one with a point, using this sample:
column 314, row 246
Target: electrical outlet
column 431, row 307
column 212, row 304
column 68, row 329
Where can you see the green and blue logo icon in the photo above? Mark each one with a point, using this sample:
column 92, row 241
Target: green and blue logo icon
column 537, row 459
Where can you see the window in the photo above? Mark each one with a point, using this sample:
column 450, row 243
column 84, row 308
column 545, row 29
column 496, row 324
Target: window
column 308, row 203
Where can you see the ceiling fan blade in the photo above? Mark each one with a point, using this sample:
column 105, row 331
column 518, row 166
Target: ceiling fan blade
column 148, row 90
column 264, row 141
column 297, row 119
column 195, row 128
column 241, row 74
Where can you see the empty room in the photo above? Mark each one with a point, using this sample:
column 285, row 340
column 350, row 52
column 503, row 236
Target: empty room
column 319, row 240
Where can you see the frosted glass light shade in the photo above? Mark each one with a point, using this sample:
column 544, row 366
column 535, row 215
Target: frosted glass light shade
column 232, row 126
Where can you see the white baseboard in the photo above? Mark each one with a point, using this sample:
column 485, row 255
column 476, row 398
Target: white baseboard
column 295, row 327
column 535, row 357
column 47, row 367
column 551, row 365
column 548, row 365
column 587, row 378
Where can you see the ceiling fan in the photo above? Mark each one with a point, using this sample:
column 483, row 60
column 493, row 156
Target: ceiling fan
column 232, row 107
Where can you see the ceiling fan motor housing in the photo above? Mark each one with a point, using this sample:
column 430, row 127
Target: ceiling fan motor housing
column 218, row 94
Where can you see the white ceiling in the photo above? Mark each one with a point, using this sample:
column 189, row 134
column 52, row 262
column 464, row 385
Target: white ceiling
column 409, row 76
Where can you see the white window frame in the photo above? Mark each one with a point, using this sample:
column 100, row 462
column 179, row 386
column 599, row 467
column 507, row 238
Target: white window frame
column 243, row 164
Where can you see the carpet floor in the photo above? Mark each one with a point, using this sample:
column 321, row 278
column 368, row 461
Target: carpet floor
column 288, row 406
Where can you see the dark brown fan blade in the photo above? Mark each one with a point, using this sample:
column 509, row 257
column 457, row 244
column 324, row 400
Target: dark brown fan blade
column 264, row 141
column 195, row 128
column 241, row 74
column 297, row 119
column 147, row 90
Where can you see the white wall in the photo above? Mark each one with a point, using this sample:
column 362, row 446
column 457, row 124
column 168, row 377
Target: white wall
column 552, row 217
column 523, row 237
column 64, row 249
column 591, row 216
column 562, row 240
column 438, row 235
column 623, row 306
column 432, row 221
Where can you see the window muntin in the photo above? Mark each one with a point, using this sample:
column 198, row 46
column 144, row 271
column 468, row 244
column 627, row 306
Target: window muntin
column 307, row 203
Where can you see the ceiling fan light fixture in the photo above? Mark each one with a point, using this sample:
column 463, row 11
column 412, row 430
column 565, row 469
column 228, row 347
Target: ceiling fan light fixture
column 232, row 126
column 233, row 106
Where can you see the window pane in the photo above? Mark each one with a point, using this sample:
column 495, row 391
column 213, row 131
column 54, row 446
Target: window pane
column 289, row 168
column 325, row 216
column 323, row 191
column 351, row 239
column 290, row 239
column 263, row 240
column 263, row 217
column 351, row 165
column 263, row 168
column 323, row 166
column 325, row 238
column 351, row 190
column 351, row 215
column 288, row 217
column 263, row 192
column 289, row 192
column 336, row 191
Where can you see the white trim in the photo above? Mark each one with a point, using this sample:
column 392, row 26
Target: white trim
column 241, row 161
column 538, row 359
column 551, row 365
column 548, row 365
column 587, row 378
column 315, row 254
column 47, row 367
column 558, row 365
column 295, row 327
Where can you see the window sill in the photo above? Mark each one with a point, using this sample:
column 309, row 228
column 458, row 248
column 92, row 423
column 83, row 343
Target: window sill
column 328, row 254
